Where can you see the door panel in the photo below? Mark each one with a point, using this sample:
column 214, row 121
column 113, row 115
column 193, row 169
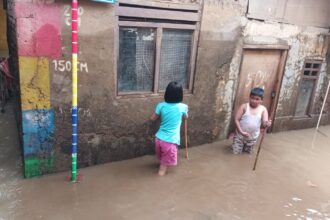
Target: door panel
column 259, row 69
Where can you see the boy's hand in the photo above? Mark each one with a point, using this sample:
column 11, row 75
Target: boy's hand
column 268, row 123
column 154, row 117
column 245, row 134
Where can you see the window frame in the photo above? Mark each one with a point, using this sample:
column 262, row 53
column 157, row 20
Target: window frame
column 188, row 20
column 314, row 78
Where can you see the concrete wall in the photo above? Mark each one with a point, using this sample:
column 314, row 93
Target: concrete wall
column 110, row 129
column 113, row 129
column 219, row 58
column 298, row 12
column 38, row 28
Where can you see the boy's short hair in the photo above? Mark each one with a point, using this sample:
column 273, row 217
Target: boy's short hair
column 257, row 92
column 173, row 93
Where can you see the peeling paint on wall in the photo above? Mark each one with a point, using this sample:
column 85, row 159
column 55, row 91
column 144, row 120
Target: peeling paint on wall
column 38, row 141
column 39, row 28
column 36, row 166
column 38, row 118
column 38, row 132
column 109, row 129
column 47, row 41
column 39, row 40
column 34, row 83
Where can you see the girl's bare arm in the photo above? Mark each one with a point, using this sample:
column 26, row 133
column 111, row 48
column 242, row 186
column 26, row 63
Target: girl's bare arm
column 154, row 117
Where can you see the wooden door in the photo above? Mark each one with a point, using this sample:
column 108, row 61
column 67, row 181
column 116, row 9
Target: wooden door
column 261, row 68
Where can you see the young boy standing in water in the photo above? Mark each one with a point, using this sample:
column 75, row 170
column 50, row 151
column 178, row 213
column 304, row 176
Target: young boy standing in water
column 248, row 120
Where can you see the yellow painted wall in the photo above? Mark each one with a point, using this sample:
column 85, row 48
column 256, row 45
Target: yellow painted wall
column 34, row 83
column 3, row 29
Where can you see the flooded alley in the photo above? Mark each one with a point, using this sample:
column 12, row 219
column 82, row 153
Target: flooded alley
column 85, row 86
column 291, row 182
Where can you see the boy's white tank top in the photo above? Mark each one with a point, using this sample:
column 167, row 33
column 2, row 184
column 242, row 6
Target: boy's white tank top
column 251, row 123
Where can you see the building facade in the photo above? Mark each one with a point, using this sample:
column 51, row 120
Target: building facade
column 128, row 52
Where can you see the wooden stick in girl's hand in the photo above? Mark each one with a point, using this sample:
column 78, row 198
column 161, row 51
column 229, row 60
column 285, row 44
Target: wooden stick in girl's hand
column 186, row 135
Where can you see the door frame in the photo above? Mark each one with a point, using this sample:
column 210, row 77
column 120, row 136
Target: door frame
column 280, row 73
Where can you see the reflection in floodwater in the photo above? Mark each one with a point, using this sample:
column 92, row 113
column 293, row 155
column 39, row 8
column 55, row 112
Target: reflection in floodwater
column 291, row 182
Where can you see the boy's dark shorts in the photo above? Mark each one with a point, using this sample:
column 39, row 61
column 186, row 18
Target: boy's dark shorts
column 242, row 144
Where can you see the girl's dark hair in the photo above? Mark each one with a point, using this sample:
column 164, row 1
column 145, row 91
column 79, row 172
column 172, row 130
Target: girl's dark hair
column 173, row 93
column 257, row 92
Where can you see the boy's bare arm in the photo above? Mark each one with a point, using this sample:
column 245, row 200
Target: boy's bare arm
column 238, row 117
column 265, row 120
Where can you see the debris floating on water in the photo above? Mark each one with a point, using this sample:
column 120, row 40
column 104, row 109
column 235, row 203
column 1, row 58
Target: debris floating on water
column 295, row 199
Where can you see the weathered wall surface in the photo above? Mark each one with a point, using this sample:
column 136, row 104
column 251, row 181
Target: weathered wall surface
column 219, row 59
column 106, row 131
column 38, row 34
column 109, row 129
column 298, row 12
column 112, row 128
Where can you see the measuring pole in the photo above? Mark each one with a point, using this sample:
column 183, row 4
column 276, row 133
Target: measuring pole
column 74, row 25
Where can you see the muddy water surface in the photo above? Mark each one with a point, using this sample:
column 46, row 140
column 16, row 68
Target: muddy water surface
column 291, row 181
column 10, row 164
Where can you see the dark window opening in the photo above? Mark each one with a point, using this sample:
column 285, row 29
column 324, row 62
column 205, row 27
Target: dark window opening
column 307, row 87
column 136, row 59
column 175, row 57
column 308, row 65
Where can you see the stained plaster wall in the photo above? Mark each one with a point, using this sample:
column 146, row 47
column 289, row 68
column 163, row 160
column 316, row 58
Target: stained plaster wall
column 34, row 40
column 222, row 25
column 112, row 128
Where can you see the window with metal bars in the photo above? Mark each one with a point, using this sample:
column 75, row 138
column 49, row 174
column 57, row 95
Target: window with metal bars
column 155, row 46
column 306, row 93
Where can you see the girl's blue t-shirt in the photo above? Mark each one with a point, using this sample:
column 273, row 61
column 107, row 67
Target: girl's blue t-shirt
column 170, row 123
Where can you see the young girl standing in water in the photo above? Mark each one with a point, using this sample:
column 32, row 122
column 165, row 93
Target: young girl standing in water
column 170, row 113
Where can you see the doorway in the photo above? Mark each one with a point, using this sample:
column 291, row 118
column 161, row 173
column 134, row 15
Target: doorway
column 261, row 67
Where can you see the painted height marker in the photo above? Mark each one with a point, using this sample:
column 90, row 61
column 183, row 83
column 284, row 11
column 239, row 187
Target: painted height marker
column 74, row 110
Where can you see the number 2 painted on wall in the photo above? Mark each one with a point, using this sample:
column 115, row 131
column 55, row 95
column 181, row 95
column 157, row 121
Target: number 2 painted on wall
column 67, row 15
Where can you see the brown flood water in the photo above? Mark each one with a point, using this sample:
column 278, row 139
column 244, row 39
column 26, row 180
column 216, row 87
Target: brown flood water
column 10, row 164
column 292, row 181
